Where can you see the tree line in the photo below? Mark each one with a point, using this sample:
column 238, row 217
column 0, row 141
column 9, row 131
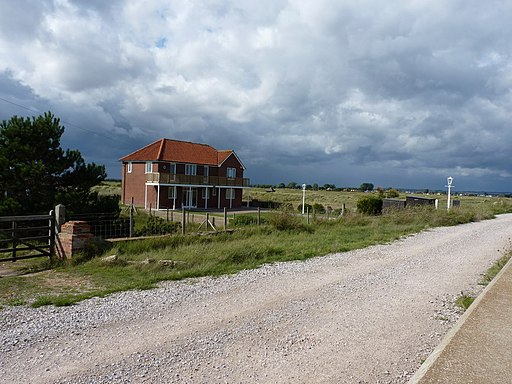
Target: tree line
column 316, row 187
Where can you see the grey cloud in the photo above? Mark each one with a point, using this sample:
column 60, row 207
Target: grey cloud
column 395, row 94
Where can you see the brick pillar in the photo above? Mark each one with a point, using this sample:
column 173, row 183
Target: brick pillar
column 73, row 237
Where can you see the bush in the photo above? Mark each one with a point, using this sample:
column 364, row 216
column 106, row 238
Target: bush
column 318, row 208
column 284, row 220
column 392, row 193
column 306, row 207
column 158, row 226
column 243, row 220
column 369, row 205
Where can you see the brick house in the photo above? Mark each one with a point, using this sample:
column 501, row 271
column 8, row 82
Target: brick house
column 178, row 174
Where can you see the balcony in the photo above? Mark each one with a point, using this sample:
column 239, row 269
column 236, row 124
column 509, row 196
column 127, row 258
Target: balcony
column 168, row 178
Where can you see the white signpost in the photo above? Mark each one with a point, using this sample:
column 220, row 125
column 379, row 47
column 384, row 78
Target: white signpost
column 303, row 197
column 449, row 202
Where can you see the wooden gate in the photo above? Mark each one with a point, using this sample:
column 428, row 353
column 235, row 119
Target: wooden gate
column 26, row 237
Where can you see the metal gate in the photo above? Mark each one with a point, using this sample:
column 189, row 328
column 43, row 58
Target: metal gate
column 27, row 237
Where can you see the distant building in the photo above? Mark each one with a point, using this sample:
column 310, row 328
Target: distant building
column 179, row 174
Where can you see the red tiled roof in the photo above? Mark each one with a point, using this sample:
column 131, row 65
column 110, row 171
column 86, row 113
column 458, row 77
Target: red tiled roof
column 179, row 152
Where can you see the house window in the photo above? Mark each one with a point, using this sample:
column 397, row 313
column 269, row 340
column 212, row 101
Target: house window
column 231, row 173
column 190, row 169
column 206, row 171
column 129, row 167
column 172, row 168
column 171, row 194
column 205, row 194
column 214, row 192
column 230, row 194
column 149, row 167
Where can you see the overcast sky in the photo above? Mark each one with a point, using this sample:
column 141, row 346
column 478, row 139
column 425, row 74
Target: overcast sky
column 398, row 93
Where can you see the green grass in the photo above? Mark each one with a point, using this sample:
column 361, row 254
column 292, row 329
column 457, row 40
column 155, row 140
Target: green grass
column 495, row 269
column 139, row 263
column 464, row 301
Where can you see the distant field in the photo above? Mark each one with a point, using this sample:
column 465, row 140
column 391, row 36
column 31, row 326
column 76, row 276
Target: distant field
column 333, row 199
column 108, row 188
column 336, row 199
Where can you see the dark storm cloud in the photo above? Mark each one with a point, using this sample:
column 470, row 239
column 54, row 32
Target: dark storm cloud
column 398, row 94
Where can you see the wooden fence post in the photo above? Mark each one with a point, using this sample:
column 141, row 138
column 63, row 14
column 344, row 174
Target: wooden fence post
column 14, row 242
column 308, row 215
column 225, row 218
column 52, row 234
column 131, row 220
column 183, row 222
column 167, row 215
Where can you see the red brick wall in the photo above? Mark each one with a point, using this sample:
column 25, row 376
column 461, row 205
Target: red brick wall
column 231, row 162
column 133, row 184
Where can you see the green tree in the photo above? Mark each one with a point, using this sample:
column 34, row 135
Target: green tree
column 36, row 173
column 315, row 187
column 366, row 187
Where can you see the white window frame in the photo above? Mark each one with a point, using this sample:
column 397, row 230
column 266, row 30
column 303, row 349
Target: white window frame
column 230, row 194
column 172, row 168
column 129, row 167
column 214, row 191
column 191, row 169
column 171, row 193
column 231, row 173
column 205, row 193
column 206, row 171
column 149, row 167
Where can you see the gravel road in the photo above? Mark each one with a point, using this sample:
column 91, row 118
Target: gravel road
column 366, row 316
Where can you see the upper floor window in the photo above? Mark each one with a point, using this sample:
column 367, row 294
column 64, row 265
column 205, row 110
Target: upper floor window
column 129, row 167
column 149, row 167
column 172, row 168
column 190, row 169
column 231, row 173
column 206, row 170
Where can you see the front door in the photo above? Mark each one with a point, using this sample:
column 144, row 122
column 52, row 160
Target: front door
column 189, row 197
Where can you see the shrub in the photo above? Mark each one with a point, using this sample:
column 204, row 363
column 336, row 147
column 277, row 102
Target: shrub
column 284, row 220
column 318, row 208
column 392, row 193
column 369, row 205
column 306, row 207
column 243, row 220
column 158, row 226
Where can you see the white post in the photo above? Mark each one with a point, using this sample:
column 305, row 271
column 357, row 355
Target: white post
column 174, row 199
column 218, row 198
column 303, row 197
column 448, row 203
column 158, row 197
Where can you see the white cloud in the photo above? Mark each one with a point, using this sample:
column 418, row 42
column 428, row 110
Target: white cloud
column 370, row 85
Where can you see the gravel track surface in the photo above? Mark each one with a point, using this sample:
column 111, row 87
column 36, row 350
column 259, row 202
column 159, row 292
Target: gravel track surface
column 366, row 316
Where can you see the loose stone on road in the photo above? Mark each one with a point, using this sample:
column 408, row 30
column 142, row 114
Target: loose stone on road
column 366, row 316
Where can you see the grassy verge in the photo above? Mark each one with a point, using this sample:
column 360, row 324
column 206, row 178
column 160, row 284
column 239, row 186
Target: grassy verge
column 142, row 264
column 464, row 301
